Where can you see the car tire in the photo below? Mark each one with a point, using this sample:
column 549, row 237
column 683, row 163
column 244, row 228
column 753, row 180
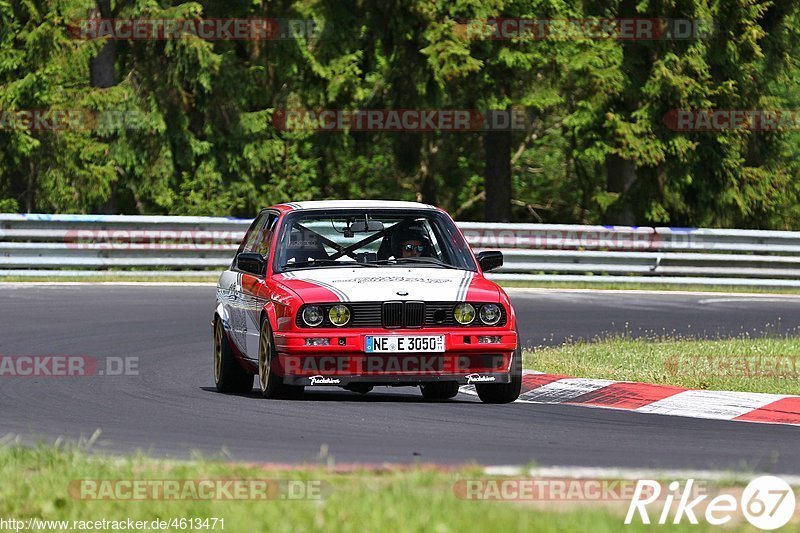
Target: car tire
column 504, row 392
column 229, row 376
column 443, row 390
column 270, row 384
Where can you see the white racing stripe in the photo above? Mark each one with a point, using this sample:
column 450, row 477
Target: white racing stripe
column 718, row 405
column 339, row 294
column 564, row 390
column 464, row 287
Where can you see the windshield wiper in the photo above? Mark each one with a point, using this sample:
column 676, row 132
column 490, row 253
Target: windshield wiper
column 320, row 262
column 423, row 260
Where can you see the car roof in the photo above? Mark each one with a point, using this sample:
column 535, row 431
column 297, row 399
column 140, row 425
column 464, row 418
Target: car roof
column 355, row 204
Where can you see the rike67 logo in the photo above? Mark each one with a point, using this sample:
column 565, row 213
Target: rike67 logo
column 768, row 503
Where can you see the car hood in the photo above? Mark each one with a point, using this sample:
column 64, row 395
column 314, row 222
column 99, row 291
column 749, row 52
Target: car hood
column 382, row 284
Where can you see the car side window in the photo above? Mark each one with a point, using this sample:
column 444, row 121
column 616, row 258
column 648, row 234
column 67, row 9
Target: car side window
column 253, row 233
column 264, row 241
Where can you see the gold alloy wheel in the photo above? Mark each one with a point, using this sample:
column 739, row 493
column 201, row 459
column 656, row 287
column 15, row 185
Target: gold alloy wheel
column 264, row 357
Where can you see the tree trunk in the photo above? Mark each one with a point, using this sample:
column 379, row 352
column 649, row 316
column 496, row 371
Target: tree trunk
column 428, row 179
column 30, row 191
column 620, row 175
column 497, row 176
column 101, row 67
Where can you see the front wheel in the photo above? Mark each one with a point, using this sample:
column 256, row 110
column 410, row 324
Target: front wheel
column 229, row 376
column 504, row 392
column 271, row 384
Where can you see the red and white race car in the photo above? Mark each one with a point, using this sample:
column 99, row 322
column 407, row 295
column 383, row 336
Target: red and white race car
column 362, row 293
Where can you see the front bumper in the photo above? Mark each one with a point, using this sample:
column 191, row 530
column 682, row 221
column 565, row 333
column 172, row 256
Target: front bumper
column 345, row 361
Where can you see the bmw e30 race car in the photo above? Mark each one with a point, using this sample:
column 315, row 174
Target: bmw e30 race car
column 362, row 293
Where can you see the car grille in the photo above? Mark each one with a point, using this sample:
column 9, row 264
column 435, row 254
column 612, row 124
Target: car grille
column 394, row 315
column 403, row 314
column 415, row 314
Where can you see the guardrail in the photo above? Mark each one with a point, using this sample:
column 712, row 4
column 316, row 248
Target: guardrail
column 83, row 245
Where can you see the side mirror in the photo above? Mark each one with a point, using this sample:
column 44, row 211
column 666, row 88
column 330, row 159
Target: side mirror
column 490, row 260
column 252, row 263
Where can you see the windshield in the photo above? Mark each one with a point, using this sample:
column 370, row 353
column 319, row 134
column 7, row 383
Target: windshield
column 371, row 239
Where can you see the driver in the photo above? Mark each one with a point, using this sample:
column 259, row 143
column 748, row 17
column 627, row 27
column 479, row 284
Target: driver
column 412, row 242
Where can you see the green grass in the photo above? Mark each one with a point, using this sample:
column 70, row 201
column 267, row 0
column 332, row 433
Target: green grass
column 36, row 480
column 737, row 364
column 617, row 286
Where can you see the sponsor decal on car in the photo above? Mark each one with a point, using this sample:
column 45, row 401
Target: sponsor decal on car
column 321, row 380
column 392, row 279
column 477, row 378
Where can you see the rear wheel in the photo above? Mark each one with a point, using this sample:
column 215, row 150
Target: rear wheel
column 229, row 376
column 270, row 384
column 504, row 392
column 443, row 390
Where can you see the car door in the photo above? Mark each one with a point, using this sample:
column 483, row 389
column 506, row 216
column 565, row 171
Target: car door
column 250, row 300
column 229, row 289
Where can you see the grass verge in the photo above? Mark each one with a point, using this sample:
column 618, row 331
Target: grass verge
column 37, row 480
column 737, row 364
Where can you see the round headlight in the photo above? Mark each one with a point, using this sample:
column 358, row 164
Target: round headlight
column 312, row 315
column 339, row 315
column 464, row 313
column 490, row 314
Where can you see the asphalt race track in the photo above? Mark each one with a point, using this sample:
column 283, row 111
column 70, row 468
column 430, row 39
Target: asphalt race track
column 171, row 408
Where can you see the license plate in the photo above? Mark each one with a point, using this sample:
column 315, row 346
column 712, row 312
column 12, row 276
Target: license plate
column 398, row 344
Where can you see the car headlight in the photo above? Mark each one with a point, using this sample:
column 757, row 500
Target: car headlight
column 313, row 316
column 339, row 315
column 464, row 313
column 490, row 314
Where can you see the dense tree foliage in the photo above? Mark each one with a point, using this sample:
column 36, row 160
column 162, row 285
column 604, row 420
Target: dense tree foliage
column 186, row 126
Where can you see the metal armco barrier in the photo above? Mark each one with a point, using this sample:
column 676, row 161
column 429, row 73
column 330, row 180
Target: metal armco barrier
column 83, row 245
